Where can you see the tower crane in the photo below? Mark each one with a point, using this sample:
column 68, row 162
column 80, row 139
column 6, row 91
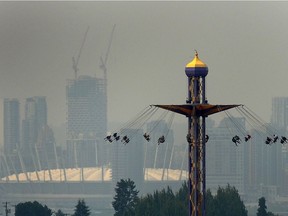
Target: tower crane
column 76, row 61
column 104, row 61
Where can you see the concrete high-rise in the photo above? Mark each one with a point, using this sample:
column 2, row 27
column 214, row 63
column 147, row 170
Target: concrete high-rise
column 11, row 125
column 264, row 164
column 128, row 158
column 279, row 116
column 279, row 121
column 225, row 164
column 86, row 121
column 38, row 144
column 35, row 119
column 158, row 155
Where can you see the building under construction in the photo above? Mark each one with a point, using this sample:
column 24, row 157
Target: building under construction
column 86, row 121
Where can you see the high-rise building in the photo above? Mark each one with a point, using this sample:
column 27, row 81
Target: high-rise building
column 9, row 160
column 35, row 119
column 279, row 116
column 264, row 164
column 11, row 125
column 256, row 164
column 128, row 158
column 279, row 121
column 86, row 121
column 38, row 144
column 158, row 154
column 225, row 164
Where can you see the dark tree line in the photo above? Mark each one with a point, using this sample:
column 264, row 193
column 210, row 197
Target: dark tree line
column 37, row 209
column 164, row 202
column 226, row 202
column 32, row 209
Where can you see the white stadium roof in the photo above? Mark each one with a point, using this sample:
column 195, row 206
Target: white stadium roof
column 90, row 174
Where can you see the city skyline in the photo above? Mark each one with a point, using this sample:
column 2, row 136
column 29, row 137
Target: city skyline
column 39, row 39
column 222, row 168
column 242, row 43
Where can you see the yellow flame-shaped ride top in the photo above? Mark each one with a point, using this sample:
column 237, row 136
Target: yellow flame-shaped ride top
column 196, row 62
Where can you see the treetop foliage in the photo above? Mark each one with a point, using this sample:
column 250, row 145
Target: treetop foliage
column 262, row 210
column 81, row 209
column 226, row 202
column 126, row 198
column 163, row 203
column 59, row 213
column 32, row 209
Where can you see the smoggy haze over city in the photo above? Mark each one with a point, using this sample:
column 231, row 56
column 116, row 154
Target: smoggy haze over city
column 244, row 45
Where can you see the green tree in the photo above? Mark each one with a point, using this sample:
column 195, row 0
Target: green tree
column 32, row 209
column 126, row 198
column 227, row 202
column 59, row 213
column 210, row 204
column 81, row 209
column 261, row 211
column 182, row 200
column 164, row 203
column 183, row 194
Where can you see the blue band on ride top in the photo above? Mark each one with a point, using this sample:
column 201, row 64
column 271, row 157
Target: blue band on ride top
column 196, row 71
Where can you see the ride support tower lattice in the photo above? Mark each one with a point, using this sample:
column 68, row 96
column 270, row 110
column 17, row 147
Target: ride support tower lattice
column 196, row 110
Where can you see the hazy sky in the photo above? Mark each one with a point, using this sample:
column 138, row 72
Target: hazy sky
column 244, row 44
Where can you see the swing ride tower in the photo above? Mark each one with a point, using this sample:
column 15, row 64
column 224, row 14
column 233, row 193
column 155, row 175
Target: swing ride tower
column 196, row 110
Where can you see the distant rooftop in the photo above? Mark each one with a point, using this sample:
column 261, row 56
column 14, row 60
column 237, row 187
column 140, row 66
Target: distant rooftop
column 92, row 174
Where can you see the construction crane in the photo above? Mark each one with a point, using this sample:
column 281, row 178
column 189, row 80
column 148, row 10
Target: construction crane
column 104, row 61
column 103, row 67
column 76, row 61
